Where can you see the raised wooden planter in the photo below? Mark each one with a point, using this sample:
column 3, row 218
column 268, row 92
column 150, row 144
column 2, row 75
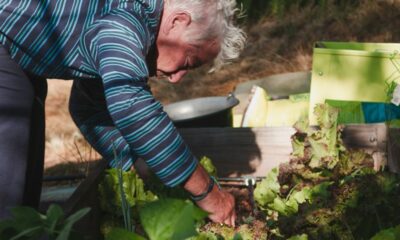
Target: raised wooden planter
column 243, row 151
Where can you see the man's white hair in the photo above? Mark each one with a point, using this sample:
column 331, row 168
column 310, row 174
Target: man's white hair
column 216, row 21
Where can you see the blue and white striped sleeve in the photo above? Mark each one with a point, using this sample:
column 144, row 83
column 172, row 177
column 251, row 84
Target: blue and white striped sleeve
column 116, row 46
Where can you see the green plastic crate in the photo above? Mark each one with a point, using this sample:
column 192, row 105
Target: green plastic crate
column 353, row 72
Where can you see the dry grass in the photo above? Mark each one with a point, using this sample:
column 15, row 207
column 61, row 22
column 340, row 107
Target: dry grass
column 274, row 46
column 64, row 143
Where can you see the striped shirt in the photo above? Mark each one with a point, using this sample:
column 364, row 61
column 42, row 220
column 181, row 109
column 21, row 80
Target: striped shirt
column 107, row 39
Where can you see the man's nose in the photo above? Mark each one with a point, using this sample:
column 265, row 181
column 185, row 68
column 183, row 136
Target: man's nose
column 177, row 76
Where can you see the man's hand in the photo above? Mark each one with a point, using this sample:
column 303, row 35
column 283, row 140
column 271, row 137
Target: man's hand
column 221, row 206
column 218, row 203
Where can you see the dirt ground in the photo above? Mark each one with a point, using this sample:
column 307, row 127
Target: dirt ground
column 275, row 45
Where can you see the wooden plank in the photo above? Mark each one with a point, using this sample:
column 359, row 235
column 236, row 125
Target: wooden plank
column 86, row 195
column 241, row 151
column 366, row 136
column 373, row 138
column 394, row 150
column 255, row 151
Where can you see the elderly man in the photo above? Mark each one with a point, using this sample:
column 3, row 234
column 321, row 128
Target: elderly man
column 109, row 48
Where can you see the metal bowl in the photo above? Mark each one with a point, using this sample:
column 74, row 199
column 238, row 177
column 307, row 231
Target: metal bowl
column 202, row 112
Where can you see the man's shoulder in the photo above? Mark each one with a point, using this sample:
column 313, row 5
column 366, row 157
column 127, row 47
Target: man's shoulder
column 150, row 9
column 149, row 12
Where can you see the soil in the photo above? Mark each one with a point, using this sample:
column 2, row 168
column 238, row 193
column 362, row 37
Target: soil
column 249, row 219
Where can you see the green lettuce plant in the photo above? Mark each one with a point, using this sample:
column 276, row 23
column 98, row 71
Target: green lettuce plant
column 388, row 234
column 170, row 219
column 327, row 191
column 28, row 223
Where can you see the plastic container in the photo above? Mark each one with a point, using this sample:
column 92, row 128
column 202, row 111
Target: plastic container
column 353, row 72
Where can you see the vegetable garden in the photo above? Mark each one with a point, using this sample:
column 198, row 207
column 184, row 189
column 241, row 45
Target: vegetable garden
column 325, row 192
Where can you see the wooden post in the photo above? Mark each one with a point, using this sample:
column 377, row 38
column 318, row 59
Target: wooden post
column 86, row 195
column 394, row 150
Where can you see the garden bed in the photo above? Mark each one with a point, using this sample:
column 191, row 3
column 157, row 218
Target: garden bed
column 239, row 152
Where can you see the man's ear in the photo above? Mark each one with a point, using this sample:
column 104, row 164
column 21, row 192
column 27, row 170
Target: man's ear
column 178, row 20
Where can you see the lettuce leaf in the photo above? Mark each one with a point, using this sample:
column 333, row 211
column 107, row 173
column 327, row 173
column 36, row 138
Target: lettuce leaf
column 133, row 187
column 208, row 166
column 388, row 234
column 122, row 234
column 167, row 219
column 299, row 237
column 267, row 190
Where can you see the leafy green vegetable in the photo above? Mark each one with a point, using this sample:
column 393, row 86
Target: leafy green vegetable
column 390, row 86
column 245, row 233
column 170, row 219
column 388, row 234
column 267, row 195
column 208, row 166
column 66, row 228
column 324, row 141
column 116, row 196
column 298, row 147
column 205, row 236
column 299, row 237
column 122, row 234
column 238, row 237
column 267, row 190
column 302, row 126
column 327, row 191
column 133, row 188
column 110, row 221
column 284, row 207
column 216, row 231
column 27, row 223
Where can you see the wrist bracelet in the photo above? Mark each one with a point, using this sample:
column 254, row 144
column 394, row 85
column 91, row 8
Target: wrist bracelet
column 209, row 189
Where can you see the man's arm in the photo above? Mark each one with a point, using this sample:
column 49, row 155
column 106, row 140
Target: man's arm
column 119, row 56
column 219, row 203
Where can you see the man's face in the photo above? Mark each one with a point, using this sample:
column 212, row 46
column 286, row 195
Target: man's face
column 175, row 56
